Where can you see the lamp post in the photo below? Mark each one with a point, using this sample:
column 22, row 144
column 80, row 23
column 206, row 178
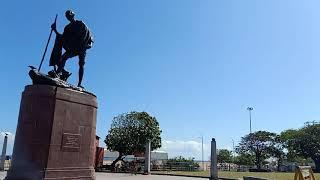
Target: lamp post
column 233, row 151
column 202, row 152
column 250, row 109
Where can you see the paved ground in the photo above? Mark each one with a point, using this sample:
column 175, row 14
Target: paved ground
column 2, row 174
column 111, row 176
column 101, row 176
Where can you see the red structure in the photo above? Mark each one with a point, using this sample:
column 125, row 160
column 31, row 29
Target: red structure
column 99, row 155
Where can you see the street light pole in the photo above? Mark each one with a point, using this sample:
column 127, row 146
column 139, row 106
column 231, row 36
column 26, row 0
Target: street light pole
column 202, row 152
column 233, row 151
column 250, row 109
column 201, row 137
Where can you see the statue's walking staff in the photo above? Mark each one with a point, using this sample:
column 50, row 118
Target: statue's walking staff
column 45, row 50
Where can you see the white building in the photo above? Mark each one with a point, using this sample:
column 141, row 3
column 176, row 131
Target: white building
column 156, row 156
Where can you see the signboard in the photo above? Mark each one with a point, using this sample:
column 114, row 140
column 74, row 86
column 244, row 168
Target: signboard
column 304, row 173
column 71, row 142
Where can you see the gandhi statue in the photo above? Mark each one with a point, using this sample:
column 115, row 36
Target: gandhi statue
column 75, row 39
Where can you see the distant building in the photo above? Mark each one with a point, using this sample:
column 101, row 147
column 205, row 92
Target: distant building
column 157, row 156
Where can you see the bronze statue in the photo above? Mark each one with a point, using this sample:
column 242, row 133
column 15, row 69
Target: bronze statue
column 75, row 39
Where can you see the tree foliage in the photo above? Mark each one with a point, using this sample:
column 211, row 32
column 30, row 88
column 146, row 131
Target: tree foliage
column 277, row 150
column 305, row 142
column 244, row 159
column 224, row 156
column 292, row 145
column 130, row 132
column 258, row 144
column 287, row 138
column 183, row 162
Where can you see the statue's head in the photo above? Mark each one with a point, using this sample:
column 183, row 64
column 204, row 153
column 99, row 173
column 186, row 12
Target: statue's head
column 70, row 15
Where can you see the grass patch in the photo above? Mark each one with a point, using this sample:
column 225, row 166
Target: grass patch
column 228, row 174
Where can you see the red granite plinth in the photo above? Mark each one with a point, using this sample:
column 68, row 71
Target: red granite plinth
column 55, row 136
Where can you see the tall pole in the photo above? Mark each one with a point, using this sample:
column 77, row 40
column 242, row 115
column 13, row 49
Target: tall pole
column 250, row 109
column 233, row 151
column 147, row 158
column 213, row 164
column 4, row 150
column 250, row 122
column 202, row 159
column 202, row 153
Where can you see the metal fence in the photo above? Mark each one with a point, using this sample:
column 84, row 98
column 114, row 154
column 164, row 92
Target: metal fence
column 177, row 166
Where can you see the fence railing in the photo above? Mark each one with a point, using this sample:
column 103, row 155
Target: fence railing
column 177, row 166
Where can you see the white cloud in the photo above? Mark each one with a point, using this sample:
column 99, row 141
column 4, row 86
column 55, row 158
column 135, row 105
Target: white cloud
column 187, row 149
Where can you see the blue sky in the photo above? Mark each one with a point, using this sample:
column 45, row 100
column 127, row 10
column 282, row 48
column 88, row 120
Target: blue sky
column 196, row 65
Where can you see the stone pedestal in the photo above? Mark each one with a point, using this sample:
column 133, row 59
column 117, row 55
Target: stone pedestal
column 55, row 136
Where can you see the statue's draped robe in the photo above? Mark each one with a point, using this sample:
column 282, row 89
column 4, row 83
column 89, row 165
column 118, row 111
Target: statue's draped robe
column 76, row 39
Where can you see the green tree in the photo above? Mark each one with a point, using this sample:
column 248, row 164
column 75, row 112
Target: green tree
column 277, row 150
column 182, row 162
column 287, row 137
column 224, row 156
column 244, row 159
column 306, row 142
column 130, row 132
column 258, row 144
